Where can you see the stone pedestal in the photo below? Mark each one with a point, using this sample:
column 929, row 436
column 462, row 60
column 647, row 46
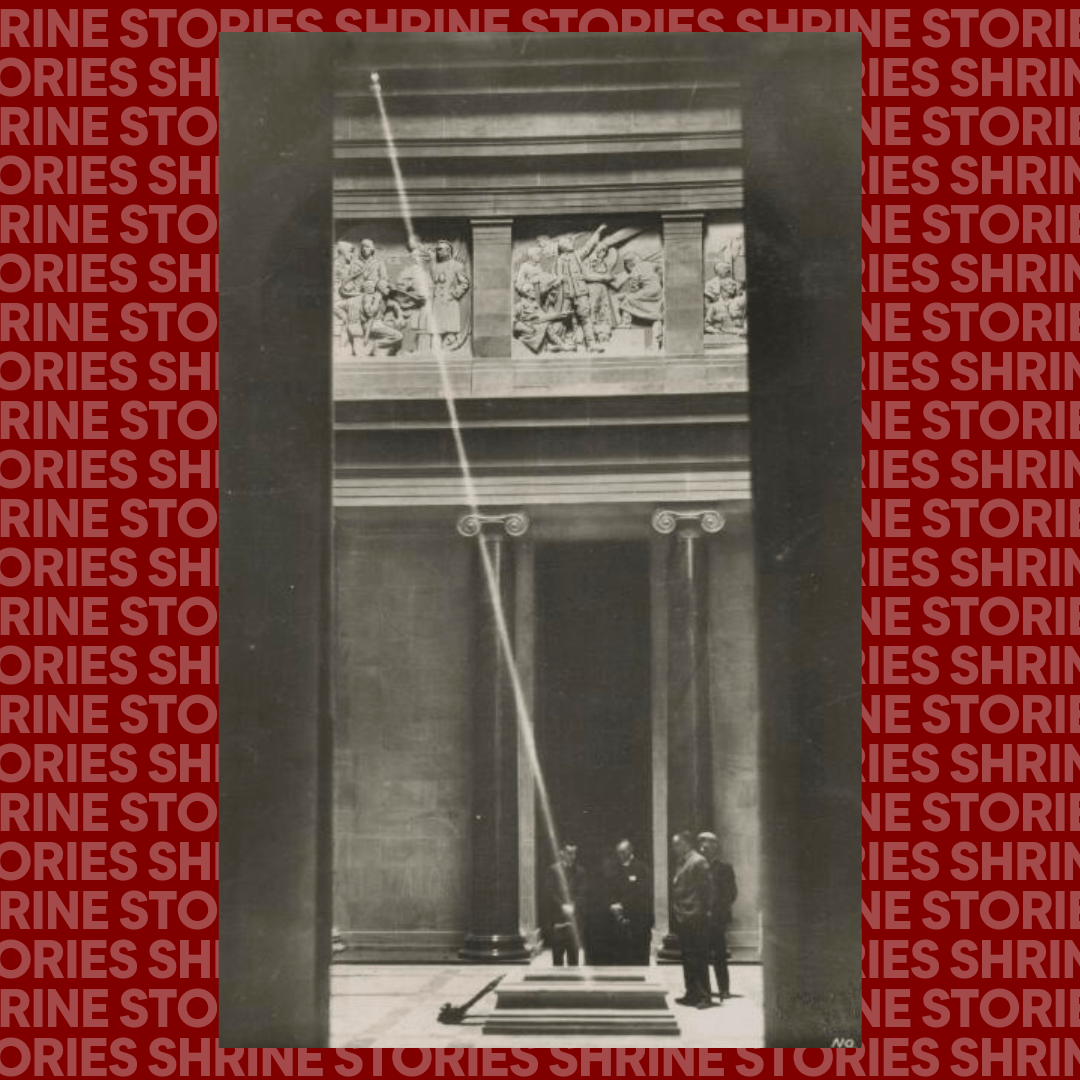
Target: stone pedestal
column 492, row 300
column 590, row 1001
column 494, row 933
column 684, row 283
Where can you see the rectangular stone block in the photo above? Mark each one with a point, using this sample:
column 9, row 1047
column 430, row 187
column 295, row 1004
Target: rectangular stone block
column 684, row 283
column 492, row 305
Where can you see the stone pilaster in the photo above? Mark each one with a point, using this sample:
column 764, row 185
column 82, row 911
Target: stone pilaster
column 494, row 932
column 684, row 284
column 492, row 299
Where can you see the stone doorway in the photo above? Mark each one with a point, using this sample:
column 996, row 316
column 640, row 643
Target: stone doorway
column 593, row 701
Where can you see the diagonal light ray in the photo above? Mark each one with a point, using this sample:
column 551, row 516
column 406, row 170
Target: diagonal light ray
column 525, row 727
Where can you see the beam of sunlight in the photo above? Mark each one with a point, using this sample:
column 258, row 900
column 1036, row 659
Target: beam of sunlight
column 525, row 727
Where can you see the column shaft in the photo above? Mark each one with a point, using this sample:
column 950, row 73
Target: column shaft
column 684, row 284
column 494, row 931
column 492, row 301
column 689, row 775
column 690, row 802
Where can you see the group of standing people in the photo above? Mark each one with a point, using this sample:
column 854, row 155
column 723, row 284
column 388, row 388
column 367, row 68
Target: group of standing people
column 609, row 916
column 703, row 888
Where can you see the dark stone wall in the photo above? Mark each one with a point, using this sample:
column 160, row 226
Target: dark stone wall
column 275, row 545
column 401, row 728
column 803, row 147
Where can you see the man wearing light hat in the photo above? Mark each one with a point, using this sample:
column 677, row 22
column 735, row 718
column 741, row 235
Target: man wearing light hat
column 724, row 893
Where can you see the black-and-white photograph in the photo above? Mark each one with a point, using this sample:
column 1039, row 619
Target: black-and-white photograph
column 540, row 540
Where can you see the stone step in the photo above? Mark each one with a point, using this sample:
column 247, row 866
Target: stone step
column 547, row 993
column 581, row 1001
column 581, row 1022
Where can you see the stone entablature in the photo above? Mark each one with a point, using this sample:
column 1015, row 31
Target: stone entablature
column 592, row 211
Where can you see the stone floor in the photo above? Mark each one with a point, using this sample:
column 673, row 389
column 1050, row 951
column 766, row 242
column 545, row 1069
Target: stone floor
column 397, row 1005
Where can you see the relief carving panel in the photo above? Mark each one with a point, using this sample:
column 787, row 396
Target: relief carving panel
column 587, row 288
column 586, row 305
column 725, row 286
column 396, row 296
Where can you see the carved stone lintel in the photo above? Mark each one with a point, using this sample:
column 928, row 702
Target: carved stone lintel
column 666, row 521
column 514, row 524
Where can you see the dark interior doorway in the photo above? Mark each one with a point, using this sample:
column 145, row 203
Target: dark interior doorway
column 593, row 696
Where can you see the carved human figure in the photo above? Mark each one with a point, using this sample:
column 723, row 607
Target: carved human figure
column 345, row 258
column 532, row 280
column 413, row 292
column 600, row 267
column 736, row 307
column 449, row 284
column 640, row 294
column 732, row 258
column 364, row 274
column 366, row 266
column 536, row 322
column 374, row 323
column 574, row 305
column 725, row 302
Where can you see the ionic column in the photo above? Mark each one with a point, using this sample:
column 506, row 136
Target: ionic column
column 494, row 933
column 492, row 300
column 689, row 757
column 684, row 283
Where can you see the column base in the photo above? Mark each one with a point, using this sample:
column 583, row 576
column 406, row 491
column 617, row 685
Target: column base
column 669, row 951
column 495, row 949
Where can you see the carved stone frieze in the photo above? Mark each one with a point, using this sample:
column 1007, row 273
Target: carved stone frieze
column 615, row 290
column 725, row 285
column 587, row 288
column 401, row 297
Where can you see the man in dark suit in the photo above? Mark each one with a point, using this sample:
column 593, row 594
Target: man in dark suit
column 724, row 893
column 565, row 906
column 691, row 902
column 629, row 906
